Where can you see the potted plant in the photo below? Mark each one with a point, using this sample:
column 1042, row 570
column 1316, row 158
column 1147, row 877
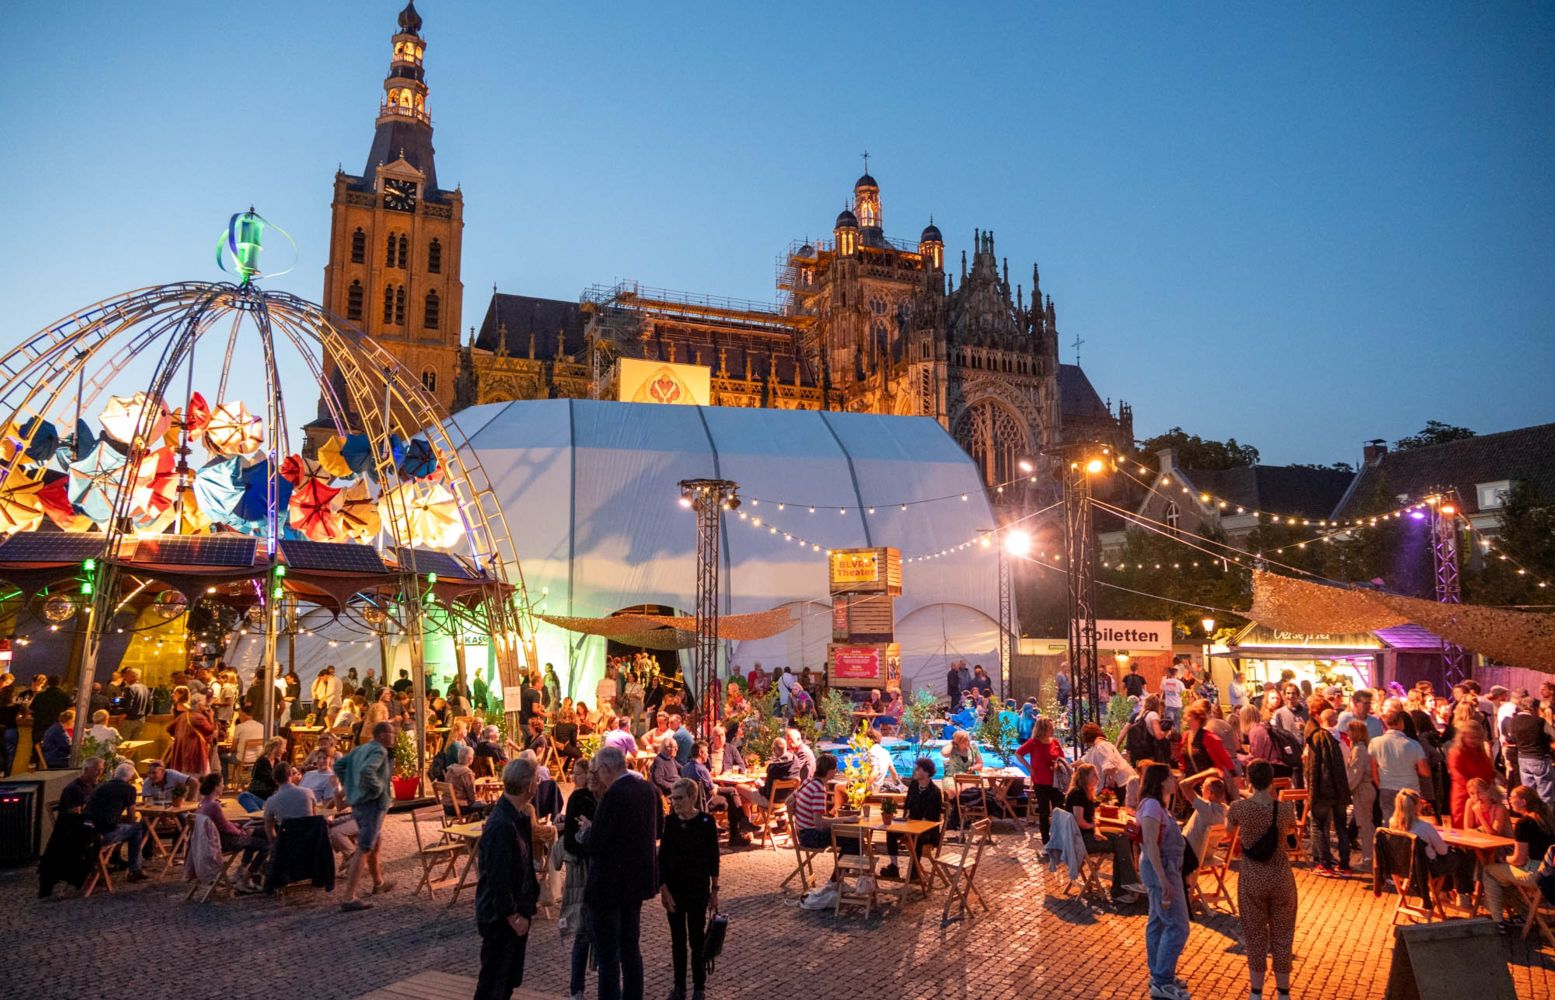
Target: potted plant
column 888, row 810
column 407, row 772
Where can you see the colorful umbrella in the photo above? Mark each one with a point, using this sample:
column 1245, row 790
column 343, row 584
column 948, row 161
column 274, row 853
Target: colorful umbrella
column 302, row 472
column 194, row 520
column 232, row 430
column 359, row 512
column 217, row 488
column 55, row 497
column 124, row 415
column 254, row 504
column 81, row 443
column 420, row 461
column 44, row 438
column 21, row 507
column 154, row 486
column 315, row 511
column 94, row 482
column 331, row 461
column 423, row 514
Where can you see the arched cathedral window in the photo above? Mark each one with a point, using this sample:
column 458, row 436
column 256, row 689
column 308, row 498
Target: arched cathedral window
column 994, row 438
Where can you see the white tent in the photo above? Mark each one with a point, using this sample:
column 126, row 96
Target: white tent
column 590, row 492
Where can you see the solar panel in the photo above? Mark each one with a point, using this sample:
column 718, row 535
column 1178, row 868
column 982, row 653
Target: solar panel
column 52, row 547
column 444, row 565
column 234, row 551
column 340, row 557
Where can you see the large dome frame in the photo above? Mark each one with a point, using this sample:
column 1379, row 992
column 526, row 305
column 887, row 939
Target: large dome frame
column 64, row 368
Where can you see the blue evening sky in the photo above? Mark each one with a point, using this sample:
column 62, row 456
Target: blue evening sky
column 1303, row 225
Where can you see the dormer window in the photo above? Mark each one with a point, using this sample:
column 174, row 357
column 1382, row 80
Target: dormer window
column 1492, row 496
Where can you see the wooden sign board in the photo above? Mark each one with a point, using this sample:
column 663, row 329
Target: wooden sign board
column 1429, row 960
column 863, row 618
column 865, row 571
column 864, row 665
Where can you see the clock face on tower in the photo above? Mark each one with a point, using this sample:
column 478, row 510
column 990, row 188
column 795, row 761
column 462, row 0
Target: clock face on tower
column 400, row 196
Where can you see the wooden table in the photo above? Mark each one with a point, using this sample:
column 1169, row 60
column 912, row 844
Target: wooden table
column 128, row 748
column 152, row 814
column 909, row 830
column 472, row 833
column 1000, row 782
column 1483, row 846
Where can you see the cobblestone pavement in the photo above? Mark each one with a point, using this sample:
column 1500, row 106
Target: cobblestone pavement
column 144, row 941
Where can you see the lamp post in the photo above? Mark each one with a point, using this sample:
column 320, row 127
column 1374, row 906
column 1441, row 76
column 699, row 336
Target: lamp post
column 1209, row 640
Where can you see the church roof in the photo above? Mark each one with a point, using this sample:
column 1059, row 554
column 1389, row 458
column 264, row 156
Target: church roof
column 397, row 137
column 523, row 315
column 1283, row 488
column 1077, row 398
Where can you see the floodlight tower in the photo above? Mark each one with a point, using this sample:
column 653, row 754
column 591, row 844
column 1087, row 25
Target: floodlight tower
column 1444, row 554
column 1082, row 464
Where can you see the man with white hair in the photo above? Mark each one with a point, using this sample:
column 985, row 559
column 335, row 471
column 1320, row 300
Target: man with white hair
column 620, row 842
column 111, row 808
column 489, row 748
column 804, row 757
column 665, row 770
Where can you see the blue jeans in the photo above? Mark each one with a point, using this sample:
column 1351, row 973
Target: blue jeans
column 133, row 834
column 250, row 801
column 1166, row 931
column 617, row 936
column 1537, row 774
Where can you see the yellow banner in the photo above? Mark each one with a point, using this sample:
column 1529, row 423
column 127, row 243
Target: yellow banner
column 662, row 382
column 855, row 567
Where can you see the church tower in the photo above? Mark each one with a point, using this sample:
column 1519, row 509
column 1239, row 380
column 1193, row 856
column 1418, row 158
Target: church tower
column 395, row 236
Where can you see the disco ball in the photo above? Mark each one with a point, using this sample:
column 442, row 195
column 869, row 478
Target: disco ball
column 170, row 604
column 256, row 616
column 59, row 608
column 374, row 615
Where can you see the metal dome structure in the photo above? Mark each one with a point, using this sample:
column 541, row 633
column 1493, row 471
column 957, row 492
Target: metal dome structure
column 394, row 528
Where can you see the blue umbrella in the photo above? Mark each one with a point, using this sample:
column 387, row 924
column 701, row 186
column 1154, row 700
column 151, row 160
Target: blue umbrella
column 94, row 482
column 45, row 438
column 84, row 440
column 217, row 489
column 420, row 461
column 253, row 504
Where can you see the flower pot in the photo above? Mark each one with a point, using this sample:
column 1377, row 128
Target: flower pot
column 405, row 788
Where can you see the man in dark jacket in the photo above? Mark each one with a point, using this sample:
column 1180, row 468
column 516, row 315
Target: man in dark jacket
column 507, row 893
column 47, row 705
column 620, row 841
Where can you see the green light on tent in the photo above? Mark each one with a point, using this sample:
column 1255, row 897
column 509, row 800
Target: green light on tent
column 280, row 570
column 278, row 592
column 89, row 565
column 431, row 578
column 86, row 588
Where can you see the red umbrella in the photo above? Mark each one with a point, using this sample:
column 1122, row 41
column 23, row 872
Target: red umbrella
column 155, row 486
column 315, row 511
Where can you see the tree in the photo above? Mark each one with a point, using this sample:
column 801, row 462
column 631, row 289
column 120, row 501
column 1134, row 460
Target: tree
column 1435, row 432
column 1194, row 452
column 1331, row 467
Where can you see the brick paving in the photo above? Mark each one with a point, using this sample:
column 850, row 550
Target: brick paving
column 144, row 941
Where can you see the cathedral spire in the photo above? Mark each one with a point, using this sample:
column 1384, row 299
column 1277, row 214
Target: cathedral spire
column 404, row 125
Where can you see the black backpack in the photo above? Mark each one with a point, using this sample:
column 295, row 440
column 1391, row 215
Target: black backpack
column 1138, row 743
column 1287, row 745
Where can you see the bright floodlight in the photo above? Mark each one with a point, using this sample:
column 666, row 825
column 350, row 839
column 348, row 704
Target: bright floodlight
column 1025, row 466
column 1094, row 466
column 1017, row 543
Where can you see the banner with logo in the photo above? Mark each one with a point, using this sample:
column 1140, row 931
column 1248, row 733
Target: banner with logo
column 663, row 382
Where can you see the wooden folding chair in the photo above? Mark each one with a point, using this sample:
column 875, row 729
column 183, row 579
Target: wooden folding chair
column 960, row 873
column 40, row 763
column 443, row 792
column 1536, row 905
column 804, row 859
column 1401, row 880
column 971, row 809
column 1302, row 797
column 442, row 852
column 100, row 873
column 243, row 766
column 859, row 867
column 1215, row 865
column 776, row 811
column 222, row 880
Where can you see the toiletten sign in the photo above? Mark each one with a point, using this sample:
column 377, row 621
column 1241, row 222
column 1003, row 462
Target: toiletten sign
column 1134, row 636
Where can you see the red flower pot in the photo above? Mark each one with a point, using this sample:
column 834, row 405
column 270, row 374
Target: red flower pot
column 405, row 788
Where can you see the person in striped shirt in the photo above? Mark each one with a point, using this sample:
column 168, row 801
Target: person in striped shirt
column 809, row 807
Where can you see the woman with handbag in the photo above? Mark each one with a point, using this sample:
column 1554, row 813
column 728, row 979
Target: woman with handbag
column 1166, row 931
column 688, row 882
column 1265, row 888
column 580, row 806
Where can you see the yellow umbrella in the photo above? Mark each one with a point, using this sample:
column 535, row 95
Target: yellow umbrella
column 423, row 514
column 232, row 430
column 124, row 414
column 21, row 508
column 331, row 461
column 359, row 512
column 194, row 521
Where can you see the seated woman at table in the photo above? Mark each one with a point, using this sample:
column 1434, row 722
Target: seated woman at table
column 262, row 782
column 489, row 753
column 1468, row 758
column 924, row 802
column 1486, row 809
column 461, row 784
column 1407, row 819
column 962, row 755
column 437, row 708
column 564, row 737
column 350, row 714
column 1081, row 801
column 1533, row 828
column 250, row 838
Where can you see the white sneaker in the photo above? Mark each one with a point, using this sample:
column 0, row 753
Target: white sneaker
column 1168, row 991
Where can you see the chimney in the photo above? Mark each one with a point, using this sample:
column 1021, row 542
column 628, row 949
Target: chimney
column 1373, row 450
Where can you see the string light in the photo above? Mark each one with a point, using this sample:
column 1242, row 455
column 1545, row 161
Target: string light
column 900, row 505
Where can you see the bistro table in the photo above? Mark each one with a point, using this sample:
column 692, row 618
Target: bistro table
column 1483, row 846
column 128, row 748
column 470, row 832
column 152, row 815
column 1000, row 782
column 909, row 830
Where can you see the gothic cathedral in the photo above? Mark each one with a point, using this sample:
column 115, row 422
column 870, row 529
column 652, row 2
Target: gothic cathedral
column 863, row 322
